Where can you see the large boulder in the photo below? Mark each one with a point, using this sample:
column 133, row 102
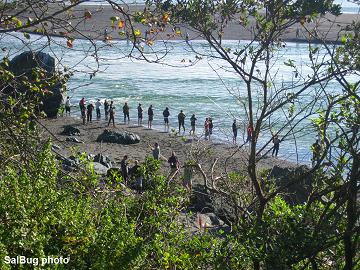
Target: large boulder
column 24, row 64
column 69, row 130
column 99, row 168
column 296, row 182
column 104, row 160
column 120, row 138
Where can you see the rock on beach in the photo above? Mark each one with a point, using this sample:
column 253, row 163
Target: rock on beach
column 120, row 138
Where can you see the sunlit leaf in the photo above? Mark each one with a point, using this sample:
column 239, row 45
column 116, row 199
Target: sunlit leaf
column 26, row 35
column 17, row 22
column 87, row 14
column 137, row 32
column 121, row 24
column 29, row 21
column 113, row 19
column 165, row 17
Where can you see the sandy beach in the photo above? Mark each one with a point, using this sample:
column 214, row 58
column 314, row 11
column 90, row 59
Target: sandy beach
column 94, row 27
column 185, row 147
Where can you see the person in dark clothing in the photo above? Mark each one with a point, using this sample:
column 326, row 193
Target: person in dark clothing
column 82, row 104
column 140, row 114
column 181, row 118
column 106, row 108
column 276, row 142
column 174, row 163
column 166, row 115
column 111, row 114
column 83, row 115
column 126, row 111
column 234, row 130
column 124, row 169
column 150, row 115
column 211, row 126
column 135, row 172
column 193, row 123
column 156, row 151
column 90, row 109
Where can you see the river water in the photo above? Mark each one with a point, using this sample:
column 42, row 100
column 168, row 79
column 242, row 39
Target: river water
column 194, row 89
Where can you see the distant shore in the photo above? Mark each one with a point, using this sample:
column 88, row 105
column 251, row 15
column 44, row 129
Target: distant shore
column 100, row 23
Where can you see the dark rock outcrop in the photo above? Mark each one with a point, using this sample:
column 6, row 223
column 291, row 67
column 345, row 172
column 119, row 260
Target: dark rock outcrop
column 70, row 131
column 23, row 65
column 68, row 164
column 120, row 138
column 104, row 160
column 295, row 181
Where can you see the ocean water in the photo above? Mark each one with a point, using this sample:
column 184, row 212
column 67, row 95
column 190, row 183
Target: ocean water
column 208, row 88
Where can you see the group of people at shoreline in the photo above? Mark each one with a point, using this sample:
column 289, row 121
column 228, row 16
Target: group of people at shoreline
column 109, row 110
column 134, row 172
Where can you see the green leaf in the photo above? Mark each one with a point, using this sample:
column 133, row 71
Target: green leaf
column 26, row 35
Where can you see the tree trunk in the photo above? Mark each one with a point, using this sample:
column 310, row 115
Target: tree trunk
column 351, row 214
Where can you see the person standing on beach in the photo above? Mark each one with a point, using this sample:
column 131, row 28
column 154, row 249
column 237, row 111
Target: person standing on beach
column 112, row 114
column 67, row 106
column 206, row 128
column 192, row 123
column 234, row 130
column 181, row 119
column 276, row 142
column 124, row 169
column 249, row 133
column 166, row 115
column 140, row 115
column 97, row 106
column 106, row 109
column 90, row 109
column 211, row 126
column 82, row 103
column 83, row 115
column 126, row 111
column 150, row 116
column 156, row 151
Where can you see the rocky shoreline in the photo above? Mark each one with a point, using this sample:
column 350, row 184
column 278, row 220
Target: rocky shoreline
column 84, row 139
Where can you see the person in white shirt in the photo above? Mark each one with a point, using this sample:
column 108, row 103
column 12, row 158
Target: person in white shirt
column 97, row 106
column 67, row 106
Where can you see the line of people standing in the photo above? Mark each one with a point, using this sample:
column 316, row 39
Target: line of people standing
column 109, row 109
